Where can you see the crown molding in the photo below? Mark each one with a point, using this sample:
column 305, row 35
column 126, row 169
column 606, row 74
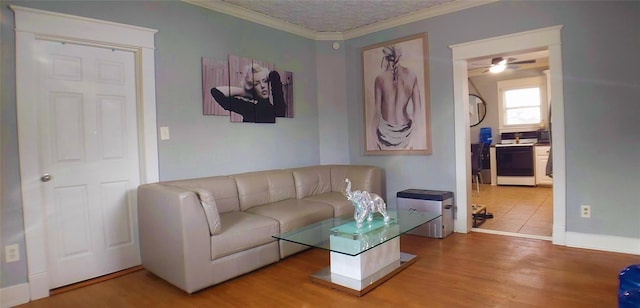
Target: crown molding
column 253, row 16
column 246, row 14
column 443, row 9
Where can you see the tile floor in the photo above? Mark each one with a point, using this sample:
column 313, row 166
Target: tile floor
column 517, row 209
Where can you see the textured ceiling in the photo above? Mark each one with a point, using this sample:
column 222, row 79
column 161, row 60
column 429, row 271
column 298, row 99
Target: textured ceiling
column 335, row 15
column 338, row 17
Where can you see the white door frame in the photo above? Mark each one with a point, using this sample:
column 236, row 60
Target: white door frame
column 32, row 25
column 546, row 38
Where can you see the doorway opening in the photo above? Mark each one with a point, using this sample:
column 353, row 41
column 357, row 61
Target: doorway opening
column 517, row 209
column 546, row 38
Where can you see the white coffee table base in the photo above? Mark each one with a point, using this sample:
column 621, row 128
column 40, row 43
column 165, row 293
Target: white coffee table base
column 360, row 287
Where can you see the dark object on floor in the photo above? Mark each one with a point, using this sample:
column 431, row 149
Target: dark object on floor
column 479, row 214
column 629, row 287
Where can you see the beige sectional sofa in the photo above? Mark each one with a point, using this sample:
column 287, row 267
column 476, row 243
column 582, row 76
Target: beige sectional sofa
column 195, row 233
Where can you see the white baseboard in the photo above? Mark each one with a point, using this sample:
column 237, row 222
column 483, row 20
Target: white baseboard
column 23, row 293
column 603, row 242
column 39, row 285
column 581, row 240
column 14, row 295
column 531, row 236
column 559, row 235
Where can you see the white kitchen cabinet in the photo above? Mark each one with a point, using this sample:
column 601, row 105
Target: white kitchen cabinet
column 542, row 156
column 493, row 166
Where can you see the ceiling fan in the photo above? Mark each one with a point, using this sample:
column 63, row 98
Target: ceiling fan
column 500, row 64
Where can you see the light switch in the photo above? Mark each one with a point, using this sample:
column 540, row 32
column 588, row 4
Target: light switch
column 164, row 133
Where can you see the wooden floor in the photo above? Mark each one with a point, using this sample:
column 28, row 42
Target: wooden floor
column 461, row 270
column 517, row 209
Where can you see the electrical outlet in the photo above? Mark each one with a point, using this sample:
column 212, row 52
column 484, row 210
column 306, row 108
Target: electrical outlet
column 585, row 211
column 11, row 253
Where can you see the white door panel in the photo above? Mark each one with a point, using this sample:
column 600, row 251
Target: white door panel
column 88, row 134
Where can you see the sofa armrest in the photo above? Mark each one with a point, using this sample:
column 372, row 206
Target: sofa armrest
column 210, row 208
column 174, row 234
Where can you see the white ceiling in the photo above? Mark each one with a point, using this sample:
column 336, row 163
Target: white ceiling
column 335, row 19
column 335, row 15
column 344, row 19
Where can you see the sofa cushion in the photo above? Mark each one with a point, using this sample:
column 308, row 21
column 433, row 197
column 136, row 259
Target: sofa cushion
column 264, row 187
column 341, row 206
column 293, row 213
column 242, row 231
column 223, row 189
column 313, row 180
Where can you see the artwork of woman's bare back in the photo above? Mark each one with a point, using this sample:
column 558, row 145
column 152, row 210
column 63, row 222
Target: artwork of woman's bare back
column 396, row 97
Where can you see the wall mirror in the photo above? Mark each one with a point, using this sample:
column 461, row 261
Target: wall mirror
column 477, row 109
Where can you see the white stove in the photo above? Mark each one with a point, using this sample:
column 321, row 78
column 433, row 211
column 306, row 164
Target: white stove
column 514, row 158
column 508, row 144
column 518, row 139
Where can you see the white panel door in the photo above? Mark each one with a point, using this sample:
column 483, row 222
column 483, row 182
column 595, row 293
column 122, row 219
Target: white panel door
column 89, row 142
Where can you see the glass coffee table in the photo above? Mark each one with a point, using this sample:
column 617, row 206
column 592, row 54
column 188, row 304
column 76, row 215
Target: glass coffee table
column 361, row 259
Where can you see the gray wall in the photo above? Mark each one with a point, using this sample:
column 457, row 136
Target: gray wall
column 11, row 222
column 332, row 110
column 600, row 45
column 601, row 79
column 199, row 145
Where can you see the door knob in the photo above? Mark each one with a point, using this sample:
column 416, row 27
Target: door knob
column 45, row 177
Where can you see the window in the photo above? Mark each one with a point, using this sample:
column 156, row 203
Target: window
column 523, row 104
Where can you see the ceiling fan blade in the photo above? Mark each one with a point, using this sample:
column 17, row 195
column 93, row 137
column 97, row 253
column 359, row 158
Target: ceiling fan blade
column 495, row 61
column 474, row 66
column 523, row 62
